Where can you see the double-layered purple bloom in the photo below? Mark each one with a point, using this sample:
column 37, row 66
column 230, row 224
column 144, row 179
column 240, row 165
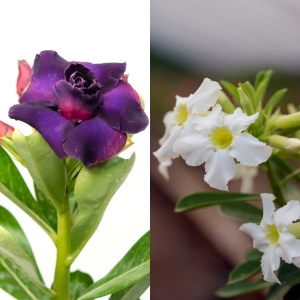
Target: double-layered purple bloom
column 82, row 110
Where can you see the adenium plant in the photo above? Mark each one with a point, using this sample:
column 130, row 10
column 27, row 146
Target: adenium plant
column 83, row 115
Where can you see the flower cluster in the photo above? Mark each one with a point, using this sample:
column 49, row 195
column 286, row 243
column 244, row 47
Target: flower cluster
column 211, row 137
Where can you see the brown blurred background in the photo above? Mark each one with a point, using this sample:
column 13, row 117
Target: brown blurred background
column 193, row 253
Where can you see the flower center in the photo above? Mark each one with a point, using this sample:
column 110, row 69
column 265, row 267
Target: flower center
column 181, row 114
column 221, row 137
column 272, row 235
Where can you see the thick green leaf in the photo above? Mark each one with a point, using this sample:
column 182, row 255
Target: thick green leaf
column 253, row 254
column 133, row 266
column 259, row 78
column 261, row 90
column 134, row 291
column 289, row 274
column 249, row 91
column 79, row 282
column 242, row 211
column 94, row 188
column 47, row 207
column 244, row 271
column 274, row 101
column 13, row 186
column 242, row 288
column 47, row 170
column 245, row 102
column 277, row 291
column 199, row 200
column 12, row 280
column 12, row 250
column 293, row 294
column 232, row 90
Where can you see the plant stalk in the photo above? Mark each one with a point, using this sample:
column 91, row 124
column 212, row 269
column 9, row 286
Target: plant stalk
column 62, row 271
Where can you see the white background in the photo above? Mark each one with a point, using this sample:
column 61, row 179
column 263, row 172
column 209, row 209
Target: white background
column 94, row 31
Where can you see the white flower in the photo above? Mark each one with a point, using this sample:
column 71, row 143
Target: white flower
column 163, row 168
column 247, row 175
column 272, row 236
column 179, row 121
column 218, row 141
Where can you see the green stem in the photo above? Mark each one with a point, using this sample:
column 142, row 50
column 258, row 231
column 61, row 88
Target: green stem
column 276, row 188
column 295, row 173
column 62, row 271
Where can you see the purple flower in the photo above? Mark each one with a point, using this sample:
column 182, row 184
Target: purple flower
column 82, row 110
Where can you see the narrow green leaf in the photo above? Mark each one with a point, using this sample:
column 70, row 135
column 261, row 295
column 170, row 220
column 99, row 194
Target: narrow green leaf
column 79, row 282
column 12, row 280
column 13, row 186
column 232, row 90
column 134, row 291
column 94, row 188
column 245, row 102
column 274, row 101
column 47, row 170
column 249, row 91
column 242, row 288
column 242, row 211
column 244, row 271
column 199, row 200
column 225, row 102
column 261, row 90
column 289, row 274
column 133, row 266
column 12, row 250
column 259, row 78
column 253, row 254
column 277, row 291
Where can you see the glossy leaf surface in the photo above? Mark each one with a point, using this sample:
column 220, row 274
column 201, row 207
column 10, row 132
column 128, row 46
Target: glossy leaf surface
column 13, row 186
column 242, row 211
column 253, row 254
column 11, row 249
column 134, row 291
column 94, row 188
column 289, row 274
column 12, row 280
column 199, row 200
column 79, row 282
column 242, row 288
column 47, row 170
column 244, row 271
column 133, row 266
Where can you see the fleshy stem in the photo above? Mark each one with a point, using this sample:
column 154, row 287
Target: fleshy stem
column 62, row 271
column 276, row 188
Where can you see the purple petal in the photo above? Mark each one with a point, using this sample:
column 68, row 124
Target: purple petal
column 92, row 141
column 42, row 116
column 48, row 68
column 108, row 74
column 122, row 109
column 73, row 103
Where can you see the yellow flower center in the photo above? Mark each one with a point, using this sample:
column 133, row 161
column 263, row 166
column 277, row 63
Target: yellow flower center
column 221, row 137
column 272, row 235
column 181, row 114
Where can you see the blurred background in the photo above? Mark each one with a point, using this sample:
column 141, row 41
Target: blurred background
column 193, row 253
column 97, row 31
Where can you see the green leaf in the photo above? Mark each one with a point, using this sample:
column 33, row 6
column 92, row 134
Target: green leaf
column 242, row 288
column 79, row 282
column 12, row 250
column 13, row 186
column 47, row 170
column 259, row 78
column 94, row 188
column 244, row 271
column 289, row 274
column 293, row 294
column 232, row 90
column 225, row 102
column 274, row 101
column 12, row 280
column 253, row 254
column 242, row 211
column 249, row 91
column 133, row 266
column 245, row 102
column 199, row 200
column 261, row 90
column 277, row 291
column 134, row 291
column 47, row 207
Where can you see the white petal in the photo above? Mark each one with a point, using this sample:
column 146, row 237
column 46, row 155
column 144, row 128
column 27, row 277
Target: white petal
column 220, row 168
column 206, row 124
column 239, row 121
column 163, row 168
column 195, row 149
column 188, row 126
column 204, row 98
column 182, row 100
column 268, row 209
column 165, row 152
column 296, row 261
column 167, row 120
column 270, row 263
column 248, row 150
column 258, row 234
column 287, row 214
column 289, row 246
